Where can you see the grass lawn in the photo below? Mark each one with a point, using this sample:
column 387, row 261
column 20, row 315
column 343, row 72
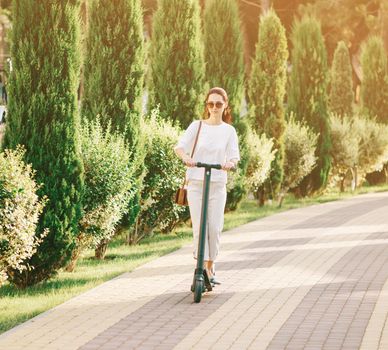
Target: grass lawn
column 17, row 306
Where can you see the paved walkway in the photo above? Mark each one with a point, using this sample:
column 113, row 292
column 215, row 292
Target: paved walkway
column 310, row 278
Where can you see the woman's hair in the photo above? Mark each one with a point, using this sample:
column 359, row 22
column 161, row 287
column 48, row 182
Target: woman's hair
column 227, row 114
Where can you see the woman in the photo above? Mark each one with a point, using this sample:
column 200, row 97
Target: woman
column 217, row 144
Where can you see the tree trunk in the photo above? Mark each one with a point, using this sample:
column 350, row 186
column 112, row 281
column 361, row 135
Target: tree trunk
column 342, row 184
column 354, row 177
column 100, row 251
column 74, row 259
column 261, row 197
column 282, row 194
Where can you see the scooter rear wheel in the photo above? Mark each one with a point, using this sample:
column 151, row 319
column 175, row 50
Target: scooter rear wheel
column 198, row 289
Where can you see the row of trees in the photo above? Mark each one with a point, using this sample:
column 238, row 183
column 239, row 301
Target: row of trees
column 104, row 162
column 349, row 20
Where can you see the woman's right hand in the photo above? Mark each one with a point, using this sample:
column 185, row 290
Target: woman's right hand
column 188, row 161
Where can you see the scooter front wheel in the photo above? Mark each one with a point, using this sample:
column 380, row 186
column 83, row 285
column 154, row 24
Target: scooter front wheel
column 198, row 290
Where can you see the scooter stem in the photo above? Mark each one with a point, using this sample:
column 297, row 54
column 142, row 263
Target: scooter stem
column 202, row 233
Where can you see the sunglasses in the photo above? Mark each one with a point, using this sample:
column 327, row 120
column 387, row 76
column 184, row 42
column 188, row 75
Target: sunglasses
column 217, row 104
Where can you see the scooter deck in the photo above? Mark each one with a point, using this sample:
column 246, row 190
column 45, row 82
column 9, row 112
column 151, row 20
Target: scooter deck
column 208, row 285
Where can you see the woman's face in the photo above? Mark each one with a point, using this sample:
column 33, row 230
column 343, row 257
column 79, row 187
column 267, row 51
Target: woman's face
column 215, row 105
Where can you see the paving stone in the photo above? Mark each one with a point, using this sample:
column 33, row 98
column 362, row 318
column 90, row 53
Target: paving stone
column 309, row 278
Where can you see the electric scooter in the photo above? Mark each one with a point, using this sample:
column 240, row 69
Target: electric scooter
column 201, row 281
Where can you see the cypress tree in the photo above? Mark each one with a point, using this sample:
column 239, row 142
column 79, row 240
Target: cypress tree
column 177, row 61
column 374, row 86
column 114, row 80
column 341, row 88
column 115, row 66
column 224, row 51
column 267, row 86
column 43, row 117
column 224, row 57
column 307, row 96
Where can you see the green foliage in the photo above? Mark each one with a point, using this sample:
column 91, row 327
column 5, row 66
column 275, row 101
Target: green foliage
column 108, row 180
column 20, row 208
column 373, row 144
column 374, row 87
column 345, row 143
column 236, row 186
column 267, row 88
column 115, row 66
column 348, row 20
column 307, row 97
column 261, row 155
column 341, row 85
column 360, row 146
column 177, row 62
column 164, row 174
column 43, row 117
column 299, row 160
column 224, row 51
column 254, row 166
column 114, row 78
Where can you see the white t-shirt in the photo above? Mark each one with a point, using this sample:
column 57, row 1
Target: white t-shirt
column 216, row 144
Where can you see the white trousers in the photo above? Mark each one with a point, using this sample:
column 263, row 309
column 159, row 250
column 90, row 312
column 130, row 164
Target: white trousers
column 215, row 215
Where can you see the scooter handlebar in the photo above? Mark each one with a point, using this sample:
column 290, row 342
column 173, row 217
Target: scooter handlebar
column 211, row 166
column 205, row 165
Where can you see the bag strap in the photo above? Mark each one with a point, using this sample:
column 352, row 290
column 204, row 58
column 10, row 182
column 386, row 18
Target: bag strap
column 196, row 139
column 195, row 145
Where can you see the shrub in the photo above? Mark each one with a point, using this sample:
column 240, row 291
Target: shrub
column 299, row 160
column 236, row 186
column 164, row 173
column 373, row 146
column 261, row 155
column 345, row 143
column 20, row 208
column 108, row 185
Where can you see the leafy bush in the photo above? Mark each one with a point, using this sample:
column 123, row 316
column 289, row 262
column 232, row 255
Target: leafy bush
column 164, row 173
column 108, row 185
column 373, row 145
column 261, row 156
column 236, row 186
column 300, row 143
column 344, row 152
column 360, row 145
column 20, row 208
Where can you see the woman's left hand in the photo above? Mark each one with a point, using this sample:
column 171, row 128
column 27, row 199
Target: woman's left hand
column 228, row 166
